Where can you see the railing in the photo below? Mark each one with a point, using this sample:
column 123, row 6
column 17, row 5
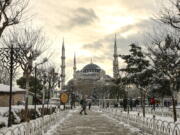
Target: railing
column 35, row 127
column 149, row 125
column 161, row 111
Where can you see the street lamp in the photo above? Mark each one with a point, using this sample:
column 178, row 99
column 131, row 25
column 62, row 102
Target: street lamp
column 128, row 101
column 35, row 74
column 43, row 97
column 50, row 81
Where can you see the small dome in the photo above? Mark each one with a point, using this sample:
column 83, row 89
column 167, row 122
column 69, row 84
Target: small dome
column 91, row 68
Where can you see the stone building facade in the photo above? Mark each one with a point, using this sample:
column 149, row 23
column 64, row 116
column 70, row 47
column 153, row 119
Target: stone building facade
column 88, row 80
column 17, row 95
column 92, row 79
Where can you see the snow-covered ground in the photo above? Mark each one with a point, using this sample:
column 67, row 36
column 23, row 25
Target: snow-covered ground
column 36, row 126
column 6, row 89
column 125, row 125
column 160, row 124
column 64, row 117
column 160, row 114
column 148, row 115
column 132, row 129
column 4, row 111
column 95, row 123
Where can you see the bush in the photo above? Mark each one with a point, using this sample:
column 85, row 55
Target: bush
column 18, row 114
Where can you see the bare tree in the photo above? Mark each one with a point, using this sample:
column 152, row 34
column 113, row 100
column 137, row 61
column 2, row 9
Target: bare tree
column 4, row 76
column 171, row 14
column 11, row 12
column 31, row 44
column 52, row 79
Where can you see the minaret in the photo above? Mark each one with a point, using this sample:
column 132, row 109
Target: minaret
column 115, row 62
column 74, row 68
column 63, row 67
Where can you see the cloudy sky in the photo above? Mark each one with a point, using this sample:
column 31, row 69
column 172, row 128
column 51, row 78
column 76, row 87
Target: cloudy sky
column 89, row 26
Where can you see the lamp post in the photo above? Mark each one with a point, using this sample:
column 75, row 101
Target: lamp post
column 128, row 101
column 43, row 97
column 50, row 81
column 35, row 87
column 35, row 74
column 10, row 97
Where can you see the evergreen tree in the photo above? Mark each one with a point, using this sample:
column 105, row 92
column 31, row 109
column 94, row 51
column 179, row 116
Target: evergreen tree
column 138, row 71
column 160, row 86
column 165, row 56
column 22, row 84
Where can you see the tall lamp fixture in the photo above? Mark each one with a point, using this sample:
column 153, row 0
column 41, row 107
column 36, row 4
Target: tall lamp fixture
column 35, row 85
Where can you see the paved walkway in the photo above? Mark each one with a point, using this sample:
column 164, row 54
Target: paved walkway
column 95, row 123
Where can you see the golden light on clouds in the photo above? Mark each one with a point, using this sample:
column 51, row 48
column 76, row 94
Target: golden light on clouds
column 88, row 27
column 113, row 23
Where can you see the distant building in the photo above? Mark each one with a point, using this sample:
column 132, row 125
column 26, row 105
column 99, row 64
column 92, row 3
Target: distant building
column 18, row 95
column 88, row 80
column 63, row 67
column 92, row 80
column 115, row 62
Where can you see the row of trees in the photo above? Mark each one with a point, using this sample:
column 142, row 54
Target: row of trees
column 156, row 69
column 28, row 45
column 36, row 81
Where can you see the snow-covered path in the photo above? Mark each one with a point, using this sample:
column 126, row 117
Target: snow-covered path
column 95, row 123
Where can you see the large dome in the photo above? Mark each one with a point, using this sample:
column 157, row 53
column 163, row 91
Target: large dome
column 91, row 68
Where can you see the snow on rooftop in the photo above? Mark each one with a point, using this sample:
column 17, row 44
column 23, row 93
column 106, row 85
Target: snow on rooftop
column 5, row 88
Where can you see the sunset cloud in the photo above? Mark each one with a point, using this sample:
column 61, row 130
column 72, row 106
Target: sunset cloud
column 89, row 26
column 80, row 17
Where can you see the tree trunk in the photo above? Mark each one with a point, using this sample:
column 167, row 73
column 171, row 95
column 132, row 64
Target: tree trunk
column 143, row 105
column 174, row 109
column 141, row 98
column 173, row 101
column 26, row 97
column 117, row 97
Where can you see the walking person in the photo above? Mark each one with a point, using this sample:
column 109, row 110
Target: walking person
column 131, row 104
column 107, row 105
column 125, row 103
column 152, row 102
column 89, row 104
column 73, row 100
column 83, row 103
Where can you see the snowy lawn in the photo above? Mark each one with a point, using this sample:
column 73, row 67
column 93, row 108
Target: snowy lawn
column 163, row 124
column 4, row 112
column 36, row 126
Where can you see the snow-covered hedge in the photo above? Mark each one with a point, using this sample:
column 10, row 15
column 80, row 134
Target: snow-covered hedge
column 37, row 126
column 19, row 111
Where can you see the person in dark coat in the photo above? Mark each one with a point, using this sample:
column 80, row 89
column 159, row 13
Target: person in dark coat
column 152, row 102
column 131, row 103
column 125, row 104
column 83, row 103
column 73, row 100
column 89, row 104
column 107, row 105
